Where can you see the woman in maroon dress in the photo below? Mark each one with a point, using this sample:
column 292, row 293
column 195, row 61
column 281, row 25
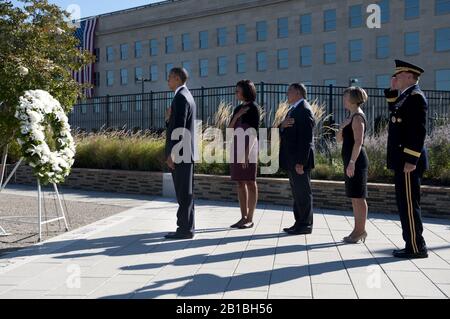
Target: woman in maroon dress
column 244, row 159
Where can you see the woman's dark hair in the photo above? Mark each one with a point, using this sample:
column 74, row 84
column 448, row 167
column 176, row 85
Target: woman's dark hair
column 248, row 90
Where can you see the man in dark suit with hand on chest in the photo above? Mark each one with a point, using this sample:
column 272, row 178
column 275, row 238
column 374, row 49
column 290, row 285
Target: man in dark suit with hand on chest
column 181, row 151
column 297, row 156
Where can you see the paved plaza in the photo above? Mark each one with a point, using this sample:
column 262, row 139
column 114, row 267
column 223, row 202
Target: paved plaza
column 126, row 256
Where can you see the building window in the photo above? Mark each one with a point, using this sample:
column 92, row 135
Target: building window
column 109, row 54
column 241, row 66
column 283, row 28
column 383, row 81
column 97, row 103
column 261, row 61
column 203, row 67
column 383, row 47
column 442, row 6
column 222, row 35
column 412, row 9
column 97, row 54
column 443, row 80
column 153, row 73
column 123, row 76
column 186, row 42
column 306, row 56
column 222, row 65
column 187, row 66
column 169, row 67
column 329, row 18
column 138, row 104
column 109, row 78
column 261, row 31
column 355, row 16
column 138, row 49
column 412, row 43
column 96, row 79
column 170, row 45
column 330, row 53
column 138, row 74
column 124, row 103
column 355, row 50
column 153, row 47
column 385, row 11
column 306, row 24
column 442, row 39
column 124, row 52
column 241, row 34
column 283, row 59
column 203, row 40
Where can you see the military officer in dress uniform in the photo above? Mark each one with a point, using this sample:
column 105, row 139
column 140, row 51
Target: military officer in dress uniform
column 406, row 154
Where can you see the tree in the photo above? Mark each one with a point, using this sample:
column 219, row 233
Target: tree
column 38, row 50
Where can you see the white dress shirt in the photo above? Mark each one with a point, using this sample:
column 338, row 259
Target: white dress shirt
column 179, row 88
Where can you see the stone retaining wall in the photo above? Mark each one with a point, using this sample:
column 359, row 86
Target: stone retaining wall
column 327, row 194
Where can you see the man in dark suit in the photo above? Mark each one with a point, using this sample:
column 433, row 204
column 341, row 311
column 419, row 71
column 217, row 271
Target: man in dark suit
column 297, row 156
column 406, row 153
column 181, row 151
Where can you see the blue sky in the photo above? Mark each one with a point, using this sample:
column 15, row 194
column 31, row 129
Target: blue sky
column 93, row 7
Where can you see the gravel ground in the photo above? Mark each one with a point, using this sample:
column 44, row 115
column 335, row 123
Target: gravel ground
column 23, row 235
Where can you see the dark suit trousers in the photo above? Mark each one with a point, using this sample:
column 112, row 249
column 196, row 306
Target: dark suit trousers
column 407, row 190
column 303, row 199
column 183, row 180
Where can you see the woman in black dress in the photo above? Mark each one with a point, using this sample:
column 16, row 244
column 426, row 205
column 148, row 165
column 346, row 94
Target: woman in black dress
column 244, row 163
column 356, row 162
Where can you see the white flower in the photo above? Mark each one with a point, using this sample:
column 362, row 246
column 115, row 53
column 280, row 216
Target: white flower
column 35, row 117
column 24, row 130
column 60, row 31
column 31, row 111
column 23, row 71
column 38, row 135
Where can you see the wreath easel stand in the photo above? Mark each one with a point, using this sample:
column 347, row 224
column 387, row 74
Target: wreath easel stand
column 60, row 212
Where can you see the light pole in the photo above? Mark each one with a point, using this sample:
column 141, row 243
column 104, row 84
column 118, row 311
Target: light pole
column 142, row 80
column 354, row 82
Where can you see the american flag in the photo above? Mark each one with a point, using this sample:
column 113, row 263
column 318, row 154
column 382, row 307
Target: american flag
column 86, row 34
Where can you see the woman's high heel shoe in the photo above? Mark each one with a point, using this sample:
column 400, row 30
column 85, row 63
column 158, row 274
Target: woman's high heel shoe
column 356, row 239
column 238, row 224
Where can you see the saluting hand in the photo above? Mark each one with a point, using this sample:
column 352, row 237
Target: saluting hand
column 394, row 83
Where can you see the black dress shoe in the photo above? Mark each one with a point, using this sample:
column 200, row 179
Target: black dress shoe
column 287, row 230
column 177, row 235
column 406, row 254
column 300, row 231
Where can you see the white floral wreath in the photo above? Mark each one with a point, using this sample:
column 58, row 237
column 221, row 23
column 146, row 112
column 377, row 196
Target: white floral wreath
column 37, row 110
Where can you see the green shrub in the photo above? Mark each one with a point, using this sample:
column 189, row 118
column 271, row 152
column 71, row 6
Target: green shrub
column 143, row 151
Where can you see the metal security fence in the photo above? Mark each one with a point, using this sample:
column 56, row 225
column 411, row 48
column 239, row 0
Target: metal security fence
column 146, row 111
